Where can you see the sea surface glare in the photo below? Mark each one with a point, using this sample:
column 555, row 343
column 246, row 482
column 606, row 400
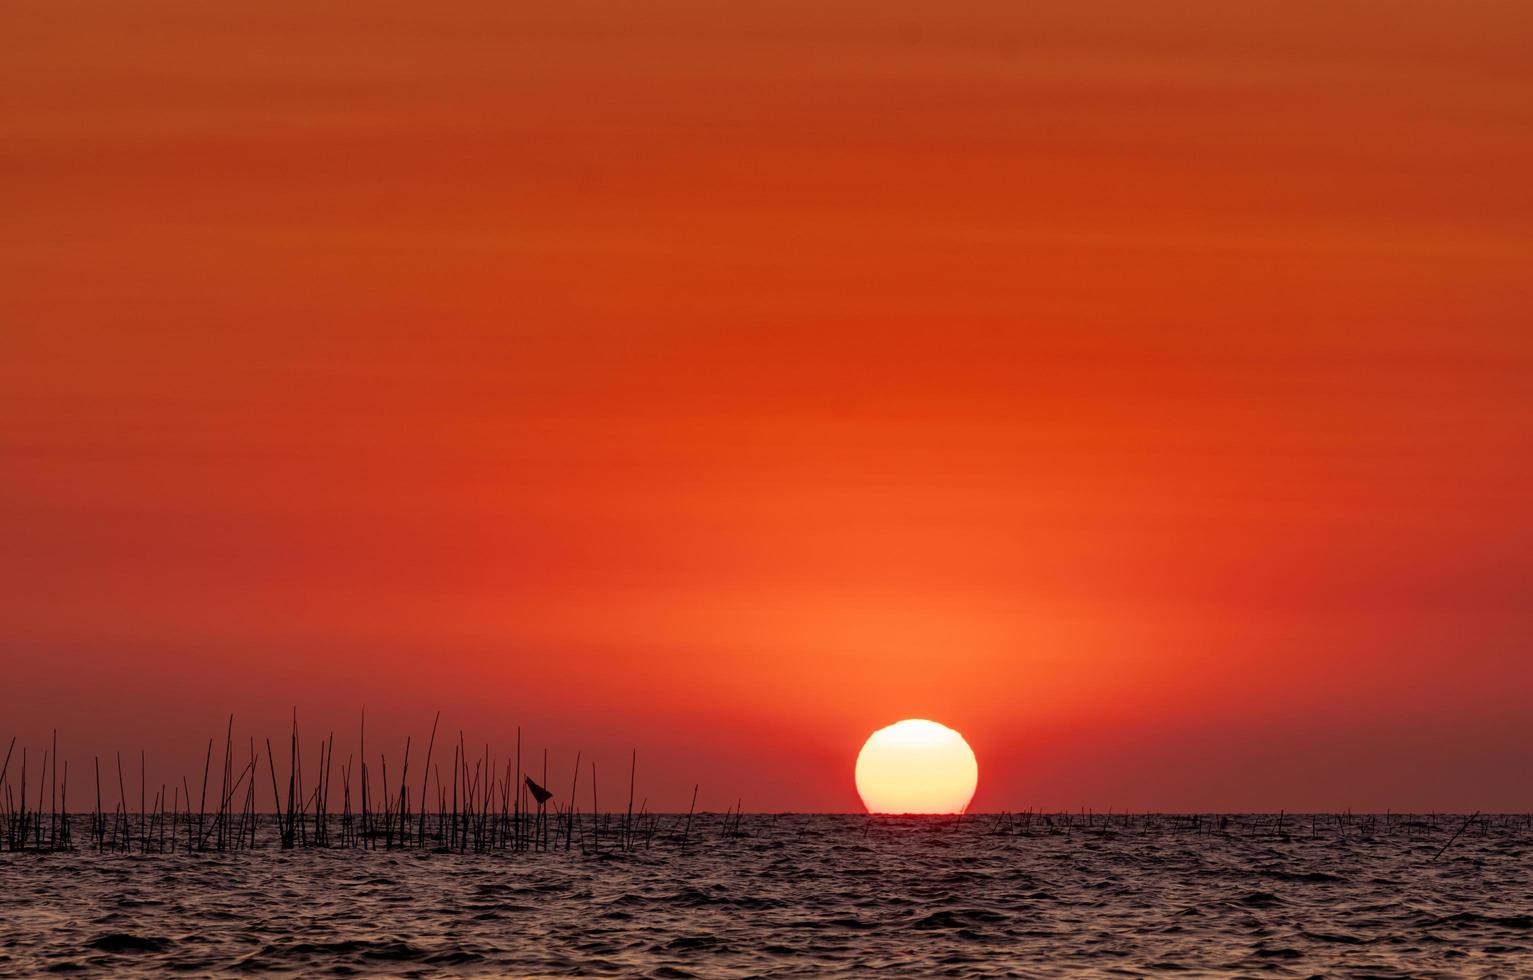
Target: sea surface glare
column 799, row 895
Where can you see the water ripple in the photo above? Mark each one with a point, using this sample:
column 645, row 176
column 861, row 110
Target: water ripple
column 801, row 896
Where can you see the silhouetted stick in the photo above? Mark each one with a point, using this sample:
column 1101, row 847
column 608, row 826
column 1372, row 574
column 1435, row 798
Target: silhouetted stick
column 520, row 793
column 362, row 754
column 321, row 816
column 276, row 797
column 42, row 784
column 688, row 832
column 1455, row 836
column 188, row 791
column 484, row 804
column 292, row 777
column 53, row 828
column 203, row 806
column 404, row 774
column 633, row 768
column 574, row 783
column 22, row 817
column 100, row 818
column 223, row 816
column 421, row 837
column 6, row 767
column 295, row 788
column 250, row 793
column 462, row 832
column 122, row 795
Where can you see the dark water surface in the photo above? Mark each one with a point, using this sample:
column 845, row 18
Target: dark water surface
column 810, row 896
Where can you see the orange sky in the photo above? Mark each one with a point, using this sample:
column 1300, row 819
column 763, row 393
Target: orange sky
column 1145, row 390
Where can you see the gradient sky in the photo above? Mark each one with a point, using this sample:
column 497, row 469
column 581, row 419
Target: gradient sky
column 1144, row 390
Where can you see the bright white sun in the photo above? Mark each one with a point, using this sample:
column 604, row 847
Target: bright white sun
column 916, row 766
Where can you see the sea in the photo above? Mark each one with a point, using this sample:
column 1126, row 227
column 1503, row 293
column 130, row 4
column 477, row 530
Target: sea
column 994, row 895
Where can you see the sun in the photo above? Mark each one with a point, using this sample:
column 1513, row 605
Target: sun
column 916, row 766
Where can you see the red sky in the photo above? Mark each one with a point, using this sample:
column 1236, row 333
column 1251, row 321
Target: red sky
column 1145, row 390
